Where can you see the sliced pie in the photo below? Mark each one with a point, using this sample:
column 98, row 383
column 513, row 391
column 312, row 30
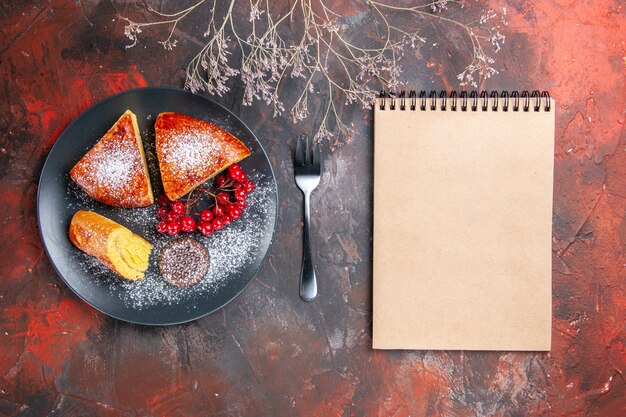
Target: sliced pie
column 114, row 171
column 190, row 151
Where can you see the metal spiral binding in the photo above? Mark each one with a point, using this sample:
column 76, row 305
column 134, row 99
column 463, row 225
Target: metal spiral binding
column 473, row 101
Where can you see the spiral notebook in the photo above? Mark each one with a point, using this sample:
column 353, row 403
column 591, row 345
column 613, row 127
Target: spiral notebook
column 463, row 221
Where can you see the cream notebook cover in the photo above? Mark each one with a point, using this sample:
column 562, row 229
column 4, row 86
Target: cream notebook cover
column 463, row 224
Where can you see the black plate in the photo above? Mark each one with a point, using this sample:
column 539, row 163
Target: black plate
column 155, row 304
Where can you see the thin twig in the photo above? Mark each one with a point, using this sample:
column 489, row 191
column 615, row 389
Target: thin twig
column 322, row 54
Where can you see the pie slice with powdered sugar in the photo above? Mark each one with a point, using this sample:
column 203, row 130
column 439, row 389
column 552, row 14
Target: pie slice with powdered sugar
column 114, row 171
column 191, row 151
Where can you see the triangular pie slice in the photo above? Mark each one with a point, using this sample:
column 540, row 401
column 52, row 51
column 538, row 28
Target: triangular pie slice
column 190, row 151
column 114, row 171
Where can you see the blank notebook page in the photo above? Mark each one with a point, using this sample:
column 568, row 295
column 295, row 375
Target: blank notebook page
column 462, row 228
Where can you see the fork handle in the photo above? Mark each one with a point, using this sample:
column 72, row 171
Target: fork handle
column 308, row 281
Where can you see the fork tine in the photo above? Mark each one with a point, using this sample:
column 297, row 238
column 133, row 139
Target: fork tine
column 316, row 154
column 307, row 150
column 299, row 151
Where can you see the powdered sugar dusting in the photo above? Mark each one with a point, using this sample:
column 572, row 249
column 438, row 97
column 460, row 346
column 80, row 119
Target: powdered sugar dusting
column 231, row 250
column 189, row 151
column 114, row 169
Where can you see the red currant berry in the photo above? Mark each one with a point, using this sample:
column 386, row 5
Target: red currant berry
column 226, row 207
column 217, row 223
column 206, row 215
column 235, row 212
column 205, row 228
column 173, row 228
column 234, row 175
column 241, row 204
column 162, row 212
column 234, row 169
column 248, row 186
column 188, row 224
column 241, row 177
column 162, row 226
column 218, row 211
column 240, row 194
column 172, row 217
column 221, row 181
column 223, row 198
column 178, row 207
column 164, row 201
column 227, row 219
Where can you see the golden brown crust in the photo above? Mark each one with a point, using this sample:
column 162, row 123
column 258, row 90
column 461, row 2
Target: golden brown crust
column 190, row 151
column 114, row 172
column 90, row 231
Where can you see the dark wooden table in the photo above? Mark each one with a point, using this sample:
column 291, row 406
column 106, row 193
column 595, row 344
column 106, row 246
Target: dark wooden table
column 267, row 352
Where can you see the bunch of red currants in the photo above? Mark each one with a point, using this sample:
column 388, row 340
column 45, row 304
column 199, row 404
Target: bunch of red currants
column 229, row 201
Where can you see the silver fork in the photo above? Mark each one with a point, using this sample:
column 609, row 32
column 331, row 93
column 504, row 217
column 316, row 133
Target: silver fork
column 307, row 167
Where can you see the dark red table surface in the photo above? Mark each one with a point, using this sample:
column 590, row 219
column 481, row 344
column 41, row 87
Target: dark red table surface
column 267, row 352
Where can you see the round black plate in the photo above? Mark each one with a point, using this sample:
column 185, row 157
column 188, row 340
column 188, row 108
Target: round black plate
column 58, row 199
